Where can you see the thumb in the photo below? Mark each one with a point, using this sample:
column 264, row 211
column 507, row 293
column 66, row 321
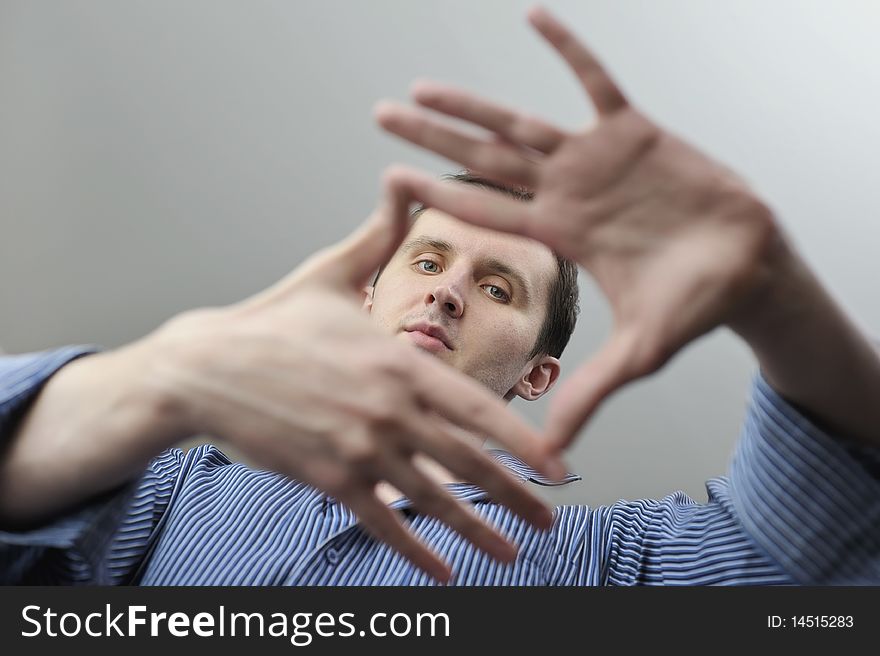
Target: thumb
column 348, row 264
column 371, row 245
column 578, row 398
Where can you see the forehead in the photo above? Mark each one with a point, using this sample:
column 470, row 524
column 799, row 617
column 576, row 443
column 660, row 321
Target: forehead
column 535, row 261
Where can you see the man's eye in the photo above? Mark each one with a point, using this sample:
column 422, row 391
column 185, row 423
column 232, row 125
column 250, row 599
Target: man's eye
column 496, row 292
column 428, row 266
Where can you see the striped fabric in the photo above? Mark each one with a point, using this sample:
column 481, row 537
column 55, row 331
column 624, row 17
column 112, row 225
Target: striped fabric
column 798, row 507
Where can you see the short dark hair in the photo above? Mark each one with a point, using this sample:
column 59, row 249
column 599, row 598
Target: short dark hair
column 562, row 304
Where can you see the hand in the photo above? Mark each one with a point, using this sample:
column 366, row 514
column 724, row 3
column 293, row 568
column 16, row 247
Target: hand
column 676, row 242
column 301, row 381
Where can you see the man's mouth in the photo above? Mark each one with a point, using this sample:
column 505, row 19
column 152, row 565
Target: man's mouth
column 428, row 336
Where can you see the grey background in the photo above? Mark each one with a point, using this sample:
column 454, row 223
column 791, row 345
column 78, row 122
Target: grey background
column 156, row 156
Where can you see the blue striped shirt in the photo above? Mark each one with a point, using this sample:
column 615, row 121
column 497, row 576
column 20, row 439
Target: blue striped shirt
column 797, row 507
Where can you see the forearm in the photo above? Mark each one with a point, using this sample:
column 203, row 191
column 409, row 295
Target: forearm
column 812, row 354
column 95, row 424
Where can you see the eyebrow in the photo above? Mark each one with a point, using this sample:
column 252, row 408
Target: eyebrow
column 491, row 263
column 427, row 242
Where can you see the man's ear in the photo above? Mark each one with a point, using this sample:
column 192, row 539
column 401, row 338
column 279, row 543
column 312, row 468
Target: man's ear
column 368, row 298
column 537, row 379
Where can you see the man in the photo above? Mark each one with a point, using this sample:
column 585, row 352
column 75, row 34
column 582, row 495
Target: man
column 800, row 504
column 477, row 299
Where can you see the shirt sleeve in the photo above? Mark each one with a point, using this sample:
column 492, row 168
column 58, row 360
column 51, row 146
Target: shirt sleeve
column 23, row 376
column 810, row 500
column 103, row 540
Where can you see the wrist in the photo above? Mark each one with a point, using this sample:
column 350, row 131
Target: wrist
column 813, row 355
column 177, row 359
column 145, row 399
column 167, row 360
column 783, row 293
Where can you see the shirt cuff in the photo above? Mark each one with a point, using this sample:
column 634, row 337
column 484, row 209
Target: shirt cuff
column 23, row 376
column 809, row 499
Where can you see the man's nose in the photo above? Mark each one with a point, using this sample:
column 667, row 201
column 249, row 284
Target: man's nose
column 448, row 300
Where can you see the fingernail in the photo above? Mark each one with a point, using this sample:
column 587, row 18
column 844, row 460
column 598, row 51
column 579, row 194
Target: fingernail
column 422, row 88
column 556, row 469
column 544, row 518
column 506, row 552
column 443, row 575
column 381, row 108
column 501, row 549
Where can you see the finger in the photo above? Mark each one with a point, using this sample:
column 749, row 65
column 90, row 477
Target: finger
column 453, row 449
column 497, row 160
column 579, row 397
column 469, row 404
column 349, row 264
column 432, row 499
column 386, row 526
column 513, row 126
column 482, row 207
column 603, row 91
column 365, row 250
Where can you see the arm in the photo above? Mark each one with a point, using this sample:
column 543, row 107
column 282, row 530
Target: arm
column 93, row 425
column 812, row 354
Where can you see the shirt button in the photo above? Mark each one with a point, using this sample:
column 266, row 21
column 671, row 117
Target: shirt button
column 332, row 556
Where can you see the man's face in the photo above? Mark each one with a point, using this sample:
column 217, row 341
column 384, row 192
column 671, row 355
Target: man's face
column 475, row 298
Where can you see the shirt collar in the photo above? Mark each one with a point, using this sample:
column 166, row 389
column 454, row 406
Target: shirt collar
column 472, row 492
column 525, row 473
